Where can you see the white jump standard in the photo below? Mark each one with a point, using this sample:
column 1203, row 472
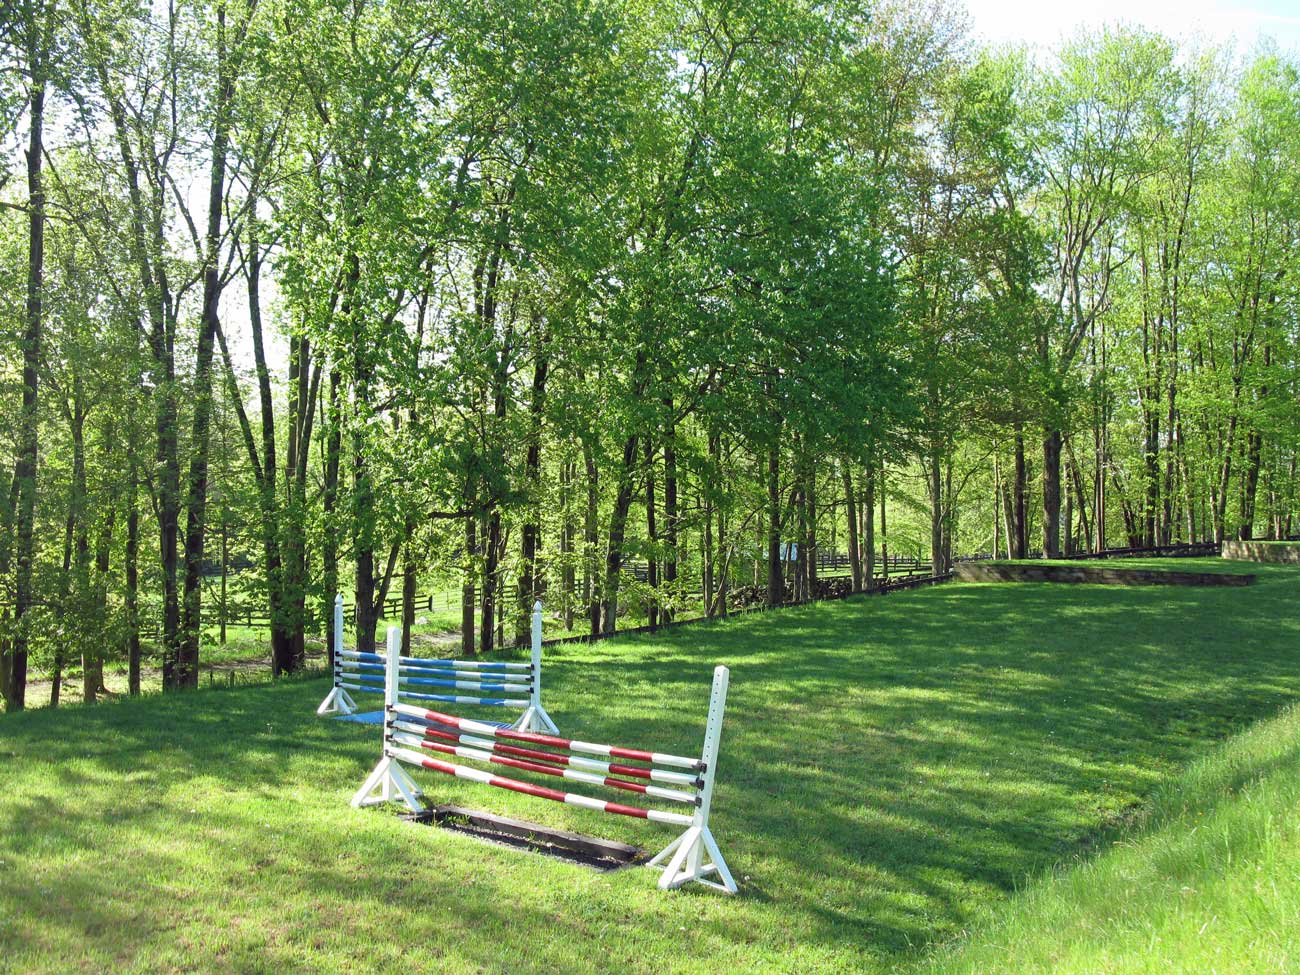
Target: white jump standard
column 411, row 731
column 490, row 683
column 338, row 700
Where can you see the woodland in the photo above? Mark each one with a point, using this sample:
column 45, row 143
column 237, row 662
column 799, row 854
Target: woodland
column 626, row 306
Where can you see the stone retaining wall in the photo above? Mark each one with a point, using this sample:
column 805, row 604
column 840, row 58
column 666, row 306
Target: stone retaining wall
column 1285, row 553
column 1110, row 575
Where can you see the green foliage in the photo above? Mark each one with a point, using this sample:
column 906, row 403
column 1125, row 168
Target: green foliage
column 535, row 264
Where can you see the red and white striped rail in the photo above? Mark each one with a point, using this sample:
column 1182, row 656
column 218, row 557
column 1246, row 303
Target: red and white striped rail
column 545, row 765
column 586, row 747
column 590, row 764
column 410, row 732
column 488, row 683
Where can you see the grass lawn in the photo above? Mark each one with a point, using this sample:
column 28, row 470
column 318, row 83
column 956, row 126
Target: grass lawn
column 926, row 782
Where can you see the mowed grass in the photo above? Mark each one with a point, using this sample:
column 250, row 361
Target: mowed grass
column 895, row 773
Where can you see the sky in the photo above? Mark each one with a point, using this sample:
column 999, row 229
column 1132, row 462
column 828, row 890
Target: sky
column 1042, row 23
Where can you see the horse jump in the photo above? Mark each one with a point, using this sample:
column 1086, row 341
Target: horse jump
column 411, row 731
column 495, row 684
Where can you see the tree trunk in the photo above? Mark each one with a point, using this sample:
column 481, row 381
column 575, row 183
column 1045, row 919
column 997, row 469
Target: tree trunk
column 568, row 536
column 1171, row 418
column 617, row 531
column 1008, row 523
column 91, row 669
column 869, row 535
column 187, row 674
column 65, row 589
column 1081, row 497
column 591, row 541
column 25, row 469
column 281, row 636
column 810, row 536
column 147, row 246
column 501, row 594
column 468, row 603
column 652, row 537
column 997, row 503
column 711, row 547
column 291, row 522
column 528, row 585
column 851, row 508
column 1019, row 498
column 775, row 575
column 949, row 515
column 333, row 433
column 1052, row 494
column 93, row 656
column 492, row 549
column 1220, row 506
column 8, row 504
column 132, row 599
column 363, row 547
column 1151, row 465
column 1068, row 525
column 1250, row 485
column 410, row 582
column 800, row 503
column 884, row 533
column 672, row 519
column 936, row 509
column 721, row 576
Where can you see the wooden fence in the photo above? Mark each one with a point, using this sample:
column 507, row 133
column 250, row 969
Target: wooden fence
column 904, row 566
column 256, row 617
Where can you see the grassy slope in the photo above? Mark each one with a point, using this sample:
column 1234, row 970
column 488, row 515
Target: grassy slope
column 1209, row 883
column 892, row 770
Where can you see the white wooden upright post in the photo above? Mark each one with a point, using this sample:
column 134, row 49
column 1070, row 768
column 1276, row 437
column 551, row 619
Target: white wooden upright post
column 689, row 850
column 388, row 780
column 535, row 717
column 338, row 700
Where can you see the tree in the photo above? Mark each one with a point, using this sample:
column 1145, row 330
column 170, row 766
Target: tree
column 1096, row 120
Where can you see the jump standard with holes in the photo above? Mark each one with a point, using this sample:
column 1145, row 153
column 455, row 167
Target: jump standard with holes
column 410, row 729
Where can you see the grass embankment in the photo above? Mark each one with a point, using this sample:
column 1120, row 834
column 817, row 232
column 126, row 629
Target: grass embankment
column 895, row 772
column 1208, row 882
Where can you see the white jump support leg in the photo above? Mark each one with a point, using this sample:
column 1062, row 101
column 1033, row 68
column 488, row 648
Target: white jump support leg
column 338, row 700
column 535, row 717
column 695, row 854
column 388, row 781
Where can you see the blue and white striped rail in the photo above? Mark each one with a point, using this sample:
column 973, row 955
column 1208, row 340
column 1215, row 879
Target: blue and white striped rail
column 411, row 732
column 505, row 684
